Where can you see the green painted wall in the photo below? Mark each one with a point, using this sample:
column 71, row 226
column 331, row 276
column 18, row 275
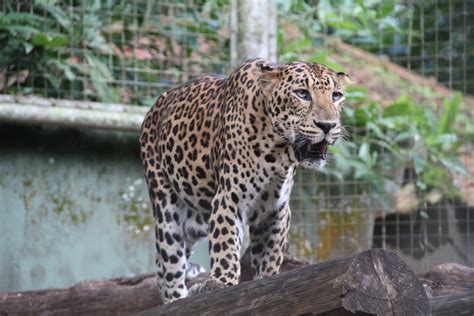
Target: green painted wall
column 73, row 206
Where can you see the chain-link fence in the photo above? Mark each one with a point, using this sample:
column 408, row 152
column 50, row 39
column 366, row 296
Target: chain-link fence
column 111, row 51
column 403, row 180
column 434, row 39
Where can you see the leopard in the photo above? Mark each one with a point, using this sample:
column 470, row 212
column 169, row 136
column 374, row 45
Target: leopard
column 220, row 153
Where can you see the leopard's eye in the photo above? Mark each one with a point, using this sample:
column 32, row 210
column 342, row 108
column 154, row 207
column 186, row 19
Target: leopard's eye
column 303, row 94
column 336, row 96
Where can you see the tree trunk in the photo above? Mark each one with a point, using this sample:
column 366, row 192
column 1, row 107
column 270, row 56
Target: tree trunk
column 449, row 278
column 337, row 286
column 254, row 30
column 120, row 296
column 454, row 304
column 374, row 281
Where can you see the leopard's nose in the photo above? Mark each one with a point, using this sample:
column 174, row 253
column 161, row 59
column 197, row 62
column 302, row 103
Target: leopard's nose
column 325, row 126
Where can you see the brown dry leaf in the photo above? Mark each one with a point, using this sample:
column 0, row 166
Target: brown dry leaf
column 158, row 42
column 177, row 49
column 116, row 51
column 434, row 196
column 142, row 54
column 18, row 77
column 224, row 32
column 144, row 40
column 407, row 201
column 128, row 52
column 74, row 60
column 292, row 32
column 204, row 48
column 116, row 27
column 126, row 94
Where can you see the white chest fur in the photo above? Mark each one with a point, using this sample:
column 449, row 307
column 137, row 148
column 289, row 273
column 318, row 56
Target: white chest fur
column 286, row 188
column 277, row 192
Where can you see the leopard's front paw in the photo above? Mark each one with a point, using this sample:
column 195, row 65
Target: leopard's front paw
column 209, row 285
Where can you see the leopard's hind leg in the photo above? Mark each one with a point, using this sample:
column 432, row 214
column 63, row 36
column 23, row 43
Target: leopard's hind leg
column 171, row 260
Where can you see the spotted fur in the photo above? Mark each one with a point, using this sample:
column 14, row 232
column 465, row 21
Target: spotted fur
column 220, row 153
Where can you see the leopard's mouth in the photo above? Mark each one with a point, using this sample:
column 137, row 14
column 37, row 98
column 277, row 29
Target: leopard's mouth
column 308, row 151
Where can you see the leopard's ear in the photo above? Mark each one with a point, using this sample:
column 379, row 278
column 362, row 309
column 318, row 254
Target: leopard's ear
column 266, row 73
column 344, row 78
column 266, row 65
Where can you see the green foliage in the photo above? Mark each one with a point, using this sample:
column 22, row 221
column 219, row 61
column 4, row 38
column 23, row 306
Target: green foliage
column 383, row 144
column 402, row 136
column 110, row 52
column 37, row 43
column 392, row 28
column 361, row 22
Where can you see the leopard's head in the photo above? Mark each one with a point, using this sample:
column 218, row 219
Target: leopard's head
column 304, row 102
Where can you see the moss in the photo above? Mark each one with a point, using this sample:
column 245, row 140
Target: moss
column 67, row 209
column 134, row 208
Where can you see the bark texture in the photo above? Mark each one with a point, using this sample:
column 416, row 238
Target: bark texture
column 374, row 281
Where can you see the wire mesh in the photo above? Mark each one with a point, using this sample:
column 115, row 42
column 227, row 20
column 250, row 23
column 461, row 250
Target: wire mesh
column 116, row 51
column 335, row 216
column 434, row 39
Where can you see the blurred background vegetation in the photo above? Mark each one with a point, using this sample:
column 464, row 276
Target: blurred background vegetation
column 405, row 168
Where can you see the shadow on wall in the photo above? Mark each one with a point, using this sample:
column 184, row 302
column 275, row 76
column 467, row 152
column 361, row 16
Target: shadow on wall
column 440, row 233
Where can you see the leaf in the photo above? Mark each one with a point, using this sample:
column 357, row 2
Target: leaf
column 424, row 215
column 67, row 69
column 42, row 39
column 57, row 41
column 364, row 152
column 18, row 77
column 452, row 163
column 53, row 79
column 403, row 137
column 101, row 76
column 435, row 176
column 58, row 13
column 451, row 110
column 361, row 117
column 386, row 8
column 401, row 107
column 297, row 46
column 28, row 47
column 356, row 94
column 19, row 17
column 419, row 163
column 25, row 31
column 445, row 139
column 344, row 25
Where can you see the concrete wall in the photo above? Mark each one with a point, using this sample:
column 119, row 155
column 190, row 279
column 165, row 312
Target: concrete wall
column 73, row 206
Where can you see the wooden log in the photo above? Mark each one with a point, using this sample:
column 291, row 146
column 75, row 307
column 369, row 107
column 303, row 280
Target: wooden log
column 119, row 296
column 289, row 263
column 453, row 304
column 374, row 281
column 122, row 296
column 449, row 278
column 450, row 285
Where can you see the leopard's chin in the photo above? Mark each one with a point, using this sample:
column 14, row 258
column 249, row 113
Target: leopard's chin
column 311, row 156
